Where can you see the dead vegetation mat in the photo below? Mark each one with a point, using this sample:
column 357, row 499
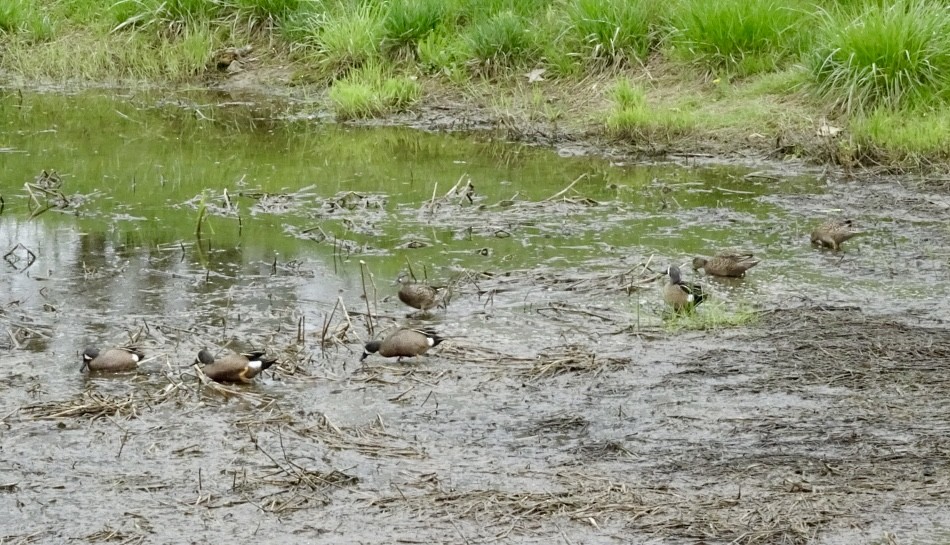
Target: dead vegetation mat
column 843, row 422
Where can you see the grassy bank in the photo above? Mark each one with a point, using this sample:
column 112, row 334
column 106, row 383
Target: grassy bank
column 858, row 81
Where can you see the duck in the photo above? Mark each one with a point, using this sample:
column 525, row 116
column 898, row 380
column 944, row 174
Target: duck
column 234, row 367
column 112, row 360
column 726, row 264
column 417, row 295
column 832, row 233
column 682, row 296
column 403, row 343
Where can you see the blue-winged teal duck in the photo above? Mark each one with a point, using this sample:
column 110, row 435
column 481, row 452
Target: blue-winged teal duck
column 682, row 296
column 832, row 233
column 403, row 343
column 726, row 264
column 417, row 295
column 112, row 360
column 234, row 367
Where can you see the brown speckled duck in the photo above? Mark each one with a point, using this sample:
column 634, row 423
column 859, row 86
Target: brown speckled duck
column 403, row 343
column 417, row 295
column 234, row 367
column 113, row 360
column 832, row 233
column 730, row 264
column 682, row 296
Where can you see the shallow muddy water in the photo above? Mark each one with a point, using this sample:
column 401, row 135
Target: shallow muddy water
column 563, row 407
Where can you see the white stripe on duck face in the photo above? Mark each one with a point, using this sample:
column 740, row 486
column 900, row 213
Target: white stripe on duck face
column 254, row 365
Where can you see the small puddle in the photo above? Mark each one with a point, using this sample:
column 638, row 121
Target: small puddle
column 196, row 222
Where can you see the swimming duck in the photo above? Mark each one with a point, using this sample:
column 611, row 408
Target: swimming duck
column 726, row 264
column 416, row 295
column 832, row 233
column 403, row 343
column 682, row 296
column 234, row 367
column 112, row 360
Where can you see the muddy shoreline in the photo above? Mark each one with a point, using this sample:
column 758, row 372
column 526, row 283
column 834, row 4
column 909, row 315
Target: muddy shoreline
column 562, row 407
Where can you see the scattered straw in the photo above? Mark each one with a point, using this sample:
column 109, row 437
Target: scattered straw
column 90, row 405
column 369, row 440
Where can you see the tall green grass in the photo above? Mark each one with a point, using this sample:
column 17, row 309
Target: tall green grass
column 506, row 39
column 741, row 37
column 892, row 54
column 349, row 39
column 263, row 12
column 135, row 56
column 407, row 22
column 162, row 13
column 614, row 30
column 474, row 10
column 21, row 17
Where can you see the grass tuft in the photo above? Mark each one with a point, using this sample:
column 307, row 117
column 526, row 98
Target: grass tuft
column 740, row 37
column 162, row 13
column 503, row 40
column 349, row 40
column 263, row 12
column 407, row 22
column 895, row 55
column 711, row 315
column 904, row 137
column 439, row 53
column 134, row 55
column 633, row 119
column 371, row 91
column 20, row 17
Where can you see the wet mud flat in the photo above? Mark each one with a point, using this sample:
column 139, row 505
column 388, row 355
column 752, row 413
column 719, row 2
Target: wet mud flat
column 561, row 408
column 812, row 425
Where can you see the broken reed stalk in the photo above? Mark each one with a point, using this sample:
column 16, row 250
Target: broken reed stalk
column 432, row 200
column 456, row 186
column 33, row 198
column 346, row 313
column 566, row 189
column 369, row 311
column 326, row 324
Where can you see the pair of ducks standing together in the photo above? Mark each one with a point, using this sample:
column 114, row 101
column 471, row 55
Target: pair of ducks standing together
column 233, row 367
column 406, row 342
column 684, row 296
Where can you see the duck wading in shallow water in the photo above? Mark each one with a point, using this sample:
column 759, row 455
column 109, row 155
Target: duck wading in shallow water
column 403, row 343
column 832, row 233
column 419, row 296
column 113, row 360
column 234, row 367
column 682, row 296
column 726, row 264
